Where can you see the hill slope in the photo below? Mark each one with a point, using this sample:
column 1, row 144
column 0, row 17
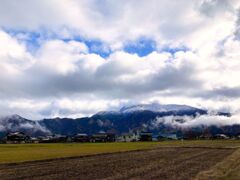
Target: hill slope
column 137, row 117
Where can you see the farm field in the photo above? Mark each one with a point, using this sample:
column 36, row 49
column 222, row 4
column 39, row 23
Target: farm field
column 141, row 160
column 11, row 153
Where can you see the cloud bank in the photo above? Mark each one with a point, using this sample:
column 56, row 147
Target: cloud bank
column 198, row 121
column 74, row 58
column 17, row 123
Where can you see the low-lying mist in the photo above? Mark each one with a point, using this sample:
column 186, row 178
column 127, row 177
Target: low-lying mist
column 199, row 120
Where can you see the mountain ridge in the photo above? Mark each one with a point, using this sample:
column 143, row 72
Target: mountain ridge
column 155, row 107
column 131, row 118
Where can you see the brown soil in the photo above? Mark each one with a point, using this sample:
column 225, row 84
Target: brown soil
column 161, row 163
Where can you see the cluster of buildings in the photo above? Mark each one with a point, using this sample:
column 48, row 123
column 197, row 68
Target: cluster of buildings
column 20, row 137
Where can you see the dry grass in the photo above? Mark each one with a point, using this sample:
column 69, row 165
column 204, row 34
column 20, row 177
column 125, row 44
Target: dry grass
column 11, row 153
column 161, row 163
column 138, row 160
column 229, row 168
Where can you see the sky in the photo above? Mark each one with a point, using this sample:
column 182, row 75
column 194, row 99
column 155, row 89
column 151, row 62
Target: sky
column 73, row 58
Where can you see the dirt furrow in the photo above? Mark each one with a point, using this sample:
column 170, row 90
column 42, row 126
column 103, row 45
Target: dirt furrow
column 164, row 163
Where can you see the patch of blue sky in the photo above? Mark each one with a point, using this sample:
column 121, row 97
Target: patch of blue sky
column 173, row 50
column 31, row 39
column 141, row 47
column 99, row 48
column 94, row 46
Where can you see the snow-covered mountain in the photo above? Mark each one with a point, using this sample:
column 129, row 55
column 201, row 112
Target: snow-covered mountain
column 108, row 112
column 136, row 117
column 155, row 107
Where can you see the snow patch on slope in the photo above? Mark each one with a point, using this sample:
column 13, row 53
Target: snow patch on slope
column 155, row 107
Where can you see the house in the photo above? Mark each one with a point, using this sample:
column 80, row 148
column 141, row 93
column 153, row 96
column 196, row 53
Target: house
column 145, row 136
column 103, row 137
column 16, row 137
column 2, row 141
column 34, row 140
column 155, row 137
column 190, row 135
column 56, row 138
column 43, row 139
column 69, row 139
column 220, row 136
column 167, row 137
column 128, row 137
column 81, row 138
column 205, row 137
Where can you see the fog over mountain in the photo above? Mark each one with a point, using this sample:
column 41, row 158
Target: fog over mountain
column 199, row 120
column 143, row 117
column 17, row 123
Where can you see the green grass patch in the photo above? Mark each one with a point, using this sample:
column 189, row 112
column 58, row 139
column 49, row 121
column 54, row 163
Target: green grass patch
column 11, row 153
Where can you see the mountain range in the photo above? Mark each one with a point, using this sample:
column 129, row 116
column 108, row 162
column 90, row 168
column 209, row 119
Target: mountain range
column 142, row 117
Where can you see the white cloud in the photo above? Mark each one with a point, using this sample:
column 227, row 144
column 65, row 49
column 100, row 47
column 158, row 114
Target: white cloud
column 200, row 120
column 6, row 124
column 64, row 78
column 167, row 22
column 13, row 55
column 60, row 56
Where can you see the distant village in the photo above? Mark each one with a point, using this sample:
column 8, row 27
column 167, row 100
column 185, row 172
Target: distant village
column 20, row 137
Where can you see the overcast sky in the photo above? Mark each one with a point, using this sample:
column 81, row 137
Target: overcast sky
column 73, row 58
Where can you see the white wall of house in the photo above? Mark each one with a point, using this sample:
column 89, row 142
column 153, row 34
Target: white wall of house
column 128, row 138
